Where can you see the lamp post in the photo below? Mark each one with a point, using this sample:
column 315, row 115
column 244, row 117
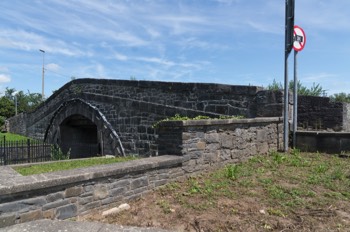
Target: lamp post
column 15, row 98
column 43, row 76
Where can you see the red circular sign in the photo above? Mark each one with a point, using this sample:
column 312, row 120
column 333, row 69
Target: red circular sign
column 299, row 39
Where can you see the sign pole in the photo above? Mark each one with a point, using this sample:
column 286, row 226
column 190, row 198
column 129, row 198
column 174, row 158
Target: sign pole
column 295, row 100
column 289, row 25
column 298, row 45
column 286, row 101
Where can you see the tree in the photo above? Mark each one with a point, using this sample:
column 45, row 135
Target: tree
column 275, row 86
column 314, row 90
column 7, row 107
column 26, row 102
column 340, row 97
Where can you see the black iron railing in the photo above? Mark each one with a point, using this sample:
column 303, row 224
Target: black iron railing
column 24, row 151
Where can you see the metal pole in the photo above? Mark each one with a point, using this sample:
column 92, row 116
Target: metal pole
column 286, row 105
column 43, row 77
column 288, row 46
column 295, row 100
column 15, row 105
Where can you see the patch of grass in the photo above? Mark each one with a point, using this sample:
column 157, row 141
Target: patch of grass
column 165, row 206
column 283, row 180
column 12, row 137
column 276, row 212
column 277, row 192
column 67, row 165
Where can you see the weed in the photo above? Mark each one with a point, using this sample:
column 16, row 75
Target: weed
column 232, row 171
column 314, row 179
column 321, row 168
column 266, row 181
column 278, row 158
column 164, row 190
column 337, row 174
column 178, row 117
column 334, row 195
column 275, row 212
column 165, row 206
column 246, row 183
column 194, row 186
column 277, row 192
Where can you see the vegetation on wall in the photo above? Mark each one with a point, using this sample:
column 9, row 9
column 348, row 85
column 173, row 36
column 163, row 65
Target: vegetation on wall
column 178, row 117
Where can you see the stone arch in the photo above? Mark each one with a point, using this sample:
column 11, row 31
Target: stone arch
column 107, row 137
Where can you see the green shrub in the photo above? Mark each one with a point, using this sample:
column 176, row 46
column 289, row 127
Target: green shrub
column 57, row 154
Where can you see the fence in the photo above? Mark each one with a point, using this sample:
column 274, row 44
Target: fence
column 24, row 151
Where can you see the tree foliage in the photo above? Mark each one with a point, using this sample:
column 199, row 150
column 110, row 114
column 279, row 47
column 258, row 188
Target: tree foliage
column 314, row 90
column 340, row 97
column 7, row 107
column 26, row 102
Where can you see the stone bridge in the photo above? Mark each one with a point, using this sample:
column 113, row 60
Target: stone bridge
column 116, row 116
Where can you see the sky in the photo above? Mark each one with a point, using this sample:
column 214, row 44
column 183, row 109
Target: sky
column 238, row 42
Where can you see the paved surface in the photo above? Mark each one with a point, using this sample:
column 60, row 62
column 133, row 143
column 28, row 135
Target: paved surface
column 71, row 226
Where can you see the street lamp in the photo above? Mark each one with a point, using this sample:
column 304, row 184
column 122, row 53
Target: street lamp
column 15, row 97
column 43, row 76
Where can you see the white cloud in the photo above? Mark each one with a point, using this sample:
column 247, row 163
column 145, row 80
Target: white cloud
column 4, row 78
column 120, row 56
column 29, row 41
column 52, row 67
column 325, row 15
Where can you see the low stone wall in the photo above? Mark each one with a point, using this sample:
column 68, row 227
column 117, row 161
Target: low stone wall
column 195, row 146
column 205, row 143
column 66, row 194
column 320, row 113
column 329, row 142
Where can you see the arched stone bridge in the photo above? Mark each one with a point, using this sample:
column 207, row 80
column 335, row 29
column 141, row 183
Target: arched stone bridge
column 116, row 116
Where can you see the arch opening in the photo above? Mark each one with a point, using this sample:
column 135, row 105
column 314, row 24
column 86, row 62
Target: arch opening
column 79, row 136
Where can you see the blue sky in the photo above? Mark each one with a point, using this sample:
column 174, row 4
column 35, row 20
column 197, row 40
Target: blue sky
column 239, row 42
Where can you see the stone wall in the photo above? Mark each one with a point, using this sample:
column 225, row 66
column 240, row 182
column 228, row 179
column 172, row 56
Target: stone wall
column 197, row 145
column 132, row 107
column 68, row 194
column 18, row 124
column 320, row 113
column 329, row 142
column 206, row 143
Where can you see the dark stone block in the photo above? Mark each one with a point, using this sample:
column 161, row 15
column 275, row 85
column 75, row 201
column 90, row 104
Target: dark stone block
column 67, row 211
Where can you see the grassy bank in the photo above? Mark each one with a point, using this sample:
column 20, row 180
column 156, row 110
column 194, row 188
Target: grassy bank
column 277, row 192
column 69, row 164
column 12, row 137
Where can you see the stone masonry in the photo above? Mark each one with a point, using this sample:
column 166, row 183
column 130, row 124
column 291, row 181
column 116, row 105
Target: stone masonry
column 195, row 146
column 126, row 110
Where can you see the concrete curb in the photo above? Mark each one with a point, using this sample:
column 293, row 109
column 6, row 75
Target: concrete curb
column 71, row 226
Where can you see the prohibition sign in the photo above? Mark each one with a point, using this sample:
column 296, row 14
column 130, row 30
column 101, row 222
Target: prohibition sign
column 299, row 39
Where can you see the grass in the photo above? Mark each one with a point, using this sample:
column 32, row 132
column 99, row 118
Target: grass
column 275, row 192
column 285, row 182
column 12, row 137
column 67, row 165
